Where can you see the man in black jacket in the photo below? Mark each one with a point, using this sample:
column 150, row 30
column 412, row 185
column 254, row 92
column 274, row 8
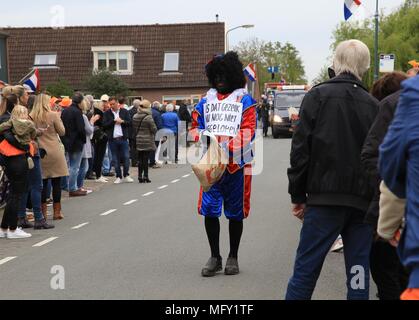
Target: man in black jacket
column 74, row 141
column 116, row 122
column 329, row 190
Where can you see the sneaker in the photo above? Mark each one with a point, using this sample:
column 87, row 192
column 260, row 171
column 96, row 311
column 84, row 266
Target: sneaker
column 102, row 180
column 24, row 223
column 18, row 234
column 78, row 193
column 232, row 267
column 212, row 267
column 147, row 180
column 128, row 179
column 118, row 181
column 43, row 225
column 3, row 234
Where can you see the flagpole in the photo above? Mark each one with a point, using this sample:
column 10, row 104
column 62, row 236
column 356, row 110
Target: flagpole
column 376, row 61
column 24, row 78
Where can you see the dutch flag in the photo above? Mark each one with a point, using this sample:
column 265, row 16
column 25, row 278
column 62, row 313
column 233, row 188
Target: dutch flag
column 350, row 7
column 32, row 82
column 250, row 72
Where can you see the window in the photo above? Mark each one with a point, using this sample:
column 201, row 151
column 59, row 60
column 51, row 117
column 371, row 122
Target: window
column 102, row 64
column 45, row 60
column 123, row 61
column 171, row 61
column 119, row 60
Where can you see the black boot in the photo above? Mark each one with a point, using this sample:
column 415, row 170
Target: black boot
column 232, row 267
column 212, row 267
column 24, row 223
column 43, row 225
column 147, row 180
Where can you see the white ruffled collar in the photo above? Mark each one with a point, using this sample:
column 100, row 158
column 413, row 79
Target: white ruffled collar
column 212, row 95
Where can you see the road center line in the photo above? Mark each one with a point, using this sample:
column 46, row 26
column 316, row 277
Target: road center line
column 186, row 176
column 176, row 181
column 107, row 213
column 80, row 226
column 163, row 187
column 148, row 194
column 5, row 260
column 42, row 243
column 130, row 202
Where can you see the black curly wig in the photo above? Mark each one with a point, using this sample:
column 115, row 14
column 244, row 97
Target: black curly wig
column 226, row 68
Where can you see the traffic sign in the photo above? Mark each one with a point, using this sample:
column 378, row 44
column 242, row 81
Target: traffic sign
column 273, row 69
column 387, row 62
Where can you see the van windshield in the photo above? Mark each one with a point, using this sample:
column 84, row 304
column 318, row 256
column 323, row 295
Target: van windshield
column 289, row 99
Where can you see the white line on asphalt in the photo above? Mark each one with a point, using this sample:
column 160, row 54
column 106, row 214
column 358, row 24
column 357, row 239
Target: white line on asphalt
column 80, row 226
column 130, row 202
column 186, row 176
column 42, row 243
column 5, row 260
column 163, row 187
column 107, row 213
column 175, row 181
column 148, row 194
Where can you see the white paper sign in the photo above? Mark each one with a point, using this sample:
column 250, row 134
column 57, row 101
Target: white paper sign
column 223, row 118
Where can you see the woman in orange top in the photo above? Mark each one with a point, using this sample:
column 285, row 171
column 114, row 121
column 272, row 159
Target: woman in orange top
column 16, row 168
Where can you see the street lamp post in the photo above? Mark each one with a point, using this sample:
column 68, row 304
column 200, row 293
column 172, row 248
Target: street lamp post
column 376, row 61
column 245, row 26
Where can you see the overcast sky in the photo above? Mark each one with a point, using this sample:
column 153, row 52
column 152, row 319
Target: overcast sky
column 308, row 24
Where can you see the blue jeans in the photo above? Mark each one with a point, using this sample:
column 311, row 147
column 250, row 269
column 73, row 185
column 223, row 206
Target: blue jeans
column 120, row 153
column 84, row 167
column 74, row 165
column 107, row 161
column 34, row 190
column 321, row 227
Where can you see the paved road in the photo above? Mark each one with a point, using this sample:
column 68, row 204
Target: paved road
column 154, row 248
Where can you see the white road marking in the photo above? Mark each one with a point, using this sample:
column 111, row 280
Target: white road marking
column 148, row 194
column 42, row 243
column 107, row 213
column 175, row 181
column 5, row 260
column 130, row 202
column 80, row 226
column 163, row 187
column 186, row 176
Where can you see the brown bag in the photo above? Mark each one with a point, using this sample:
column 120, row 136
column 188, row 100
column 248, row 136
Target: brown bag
column 212, row 166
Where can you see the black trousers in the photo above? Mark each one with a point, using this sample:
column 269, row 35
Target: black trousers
column 56, row 190
column 133, row 152
column 143, row 157
column 100, row 151
column 16, row 169
column 387, row 271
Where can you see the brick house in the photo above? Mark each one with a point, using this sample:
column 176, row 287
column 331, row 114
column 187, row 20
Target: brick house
column 157, row 62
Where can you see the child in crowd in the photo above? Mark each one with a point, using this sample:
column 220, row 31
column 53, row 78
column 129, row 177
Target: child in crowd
column 22, row 128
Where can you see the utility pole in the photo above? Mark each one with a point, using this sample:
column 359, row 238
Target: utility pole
column 376, row 60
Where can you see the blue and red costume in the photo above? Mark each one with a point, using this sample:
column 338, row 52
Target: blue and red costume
column 234, row 188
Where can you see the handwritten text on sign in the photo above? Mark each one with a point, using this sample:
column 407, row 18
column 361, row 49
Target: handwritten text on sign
column 223, row 118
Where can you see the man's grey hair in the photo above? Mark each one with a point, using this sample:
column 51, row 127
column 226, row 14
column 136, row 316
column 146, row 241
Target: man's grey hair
column 170, row 108
column 352, row 56
column 136, row 103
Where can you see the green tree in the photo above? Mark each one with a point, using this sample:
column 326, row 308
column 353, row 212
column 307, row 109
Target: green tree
column 60, row 88
column 322, row 76
column 398, row 34
column 105, row 82
column 266, row 54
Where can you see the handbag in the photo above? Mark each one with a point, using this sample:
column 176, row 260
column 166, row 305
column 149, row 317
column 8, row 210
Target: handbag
column 210, row 169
